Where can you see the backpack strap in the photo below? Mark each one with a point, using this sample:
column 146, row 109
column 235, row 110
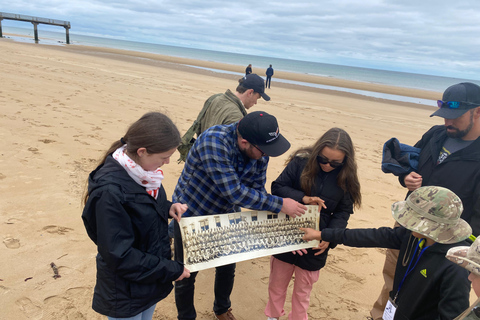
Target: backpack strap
column 200, row 116
column 188, row 138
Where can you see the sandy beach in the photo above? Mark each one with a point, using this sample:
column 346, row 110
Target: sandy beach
column 62, row 107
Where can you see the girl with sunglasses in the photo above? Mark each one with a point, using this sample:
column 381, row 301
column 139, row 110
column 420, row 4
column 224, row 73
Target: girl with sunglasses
column 324, row 174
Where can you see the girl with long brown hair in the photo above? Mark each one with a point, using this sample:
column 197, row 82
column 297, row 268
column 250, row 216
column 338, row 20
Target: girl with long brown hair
column 324, row 174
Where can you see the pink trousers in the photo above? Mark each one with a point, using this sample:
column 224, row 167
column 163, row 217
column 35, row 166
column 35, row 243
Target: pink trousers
column 280, row 276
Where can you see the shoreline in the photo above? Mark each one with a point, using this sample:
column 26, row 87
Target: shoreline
column 299, row 77
column 194, row 66
column 202, row 66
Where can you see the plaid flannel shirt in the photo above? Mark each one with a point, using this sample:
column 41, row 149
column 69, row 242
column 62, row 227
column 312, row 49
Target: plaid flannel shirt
column 217, row 177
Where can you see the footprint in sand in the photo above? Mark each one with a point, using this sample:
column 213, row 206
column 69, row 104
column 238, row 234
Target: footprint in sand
column 57, row 229
column 31, row 310
column 11, row 243
column 264, row 280
column 34, row 150
column 69, row 305
column 47, row 141
column 82, row 142
column 12, row 221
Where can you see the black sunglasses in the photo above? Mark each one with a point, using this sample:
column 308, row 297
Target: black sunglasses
column 333, row 164
column 453, row 104
column 263, row 153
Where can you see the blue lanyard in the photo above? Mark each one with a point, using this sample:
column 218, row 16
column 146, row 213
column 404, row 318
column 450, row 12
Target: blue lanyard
column 409, row 270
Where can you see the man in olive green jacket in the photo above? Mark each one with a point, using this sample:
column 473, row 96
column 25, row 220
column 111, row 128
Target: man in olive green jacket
column 229, row 107
column 224, row 108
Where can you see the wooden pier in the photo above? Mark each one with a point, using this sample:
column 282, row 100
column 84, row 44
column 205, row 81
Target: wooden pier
column 35, row 21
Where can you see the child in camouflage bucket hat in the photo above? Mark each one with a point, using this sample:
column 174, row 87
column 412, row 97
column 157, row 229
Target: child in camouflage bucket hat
column 426, row 285
column 469, row 258
column 433, row 212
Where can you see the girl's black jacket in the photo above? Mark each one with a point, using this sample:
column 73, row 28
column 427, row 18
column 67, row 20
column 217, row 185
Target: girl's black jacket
column 129, row 227
column 339, row 207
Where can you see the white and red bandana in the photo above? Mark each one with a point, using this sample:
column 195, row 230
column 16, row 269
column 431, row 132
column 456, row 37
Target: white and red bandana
column 150, row 180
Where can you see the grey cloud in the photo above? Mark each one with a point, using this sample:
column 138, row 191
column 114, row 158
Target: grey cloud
column 405, row 35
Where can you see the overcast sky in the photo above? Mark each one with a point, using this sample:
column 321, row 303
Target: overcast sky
column 439, row 37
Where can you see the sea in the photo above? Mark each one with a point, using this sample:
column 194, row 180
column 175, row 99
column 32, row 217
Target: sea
column 377, row 76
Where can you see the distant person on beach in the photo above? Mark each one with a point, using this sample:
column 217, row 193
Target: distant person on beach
column 248, row 70
column 226, row 169
column 428, row 286
column 269, row 74
column 469, row 258
column 125, row 215
column 450, row 158
column 224, row 108
column 324, row 174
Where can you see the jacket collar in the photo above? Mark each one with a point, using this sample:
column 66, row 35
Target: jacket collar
column 111, row 172
column 472, row 152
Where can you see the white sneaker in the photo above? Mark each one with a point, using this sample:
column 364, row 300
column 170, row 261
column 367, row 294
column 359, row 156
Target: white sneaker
column 270, row 318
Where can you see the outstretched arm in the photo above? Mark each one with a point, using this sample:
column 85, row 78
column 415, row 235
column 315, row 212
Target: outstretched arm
column 363, row 238
column 311, row 234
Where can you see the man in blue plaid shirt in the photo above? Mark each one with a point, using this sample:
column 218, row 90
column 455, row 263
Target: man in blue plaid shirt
column 225, row 169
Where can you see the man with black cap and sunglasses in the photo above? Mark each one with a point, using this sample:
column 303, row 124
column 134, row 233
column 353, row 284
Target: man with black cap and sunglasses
column 226, row 169
column 450, row 158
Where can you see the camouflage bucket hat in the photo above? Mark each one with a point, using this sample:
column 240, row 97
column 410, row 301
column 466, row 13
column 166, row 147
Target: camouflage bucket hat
column 433, row 212
column 466, row 257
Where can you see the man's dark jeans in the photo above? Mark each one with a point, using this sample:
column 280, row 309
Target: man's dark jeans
column 185, row 289
column 268, row 82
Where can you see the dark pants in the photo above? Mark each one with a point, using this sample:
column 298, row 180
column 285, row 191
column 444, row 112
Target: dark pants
column 185, row 289
column 268, row 81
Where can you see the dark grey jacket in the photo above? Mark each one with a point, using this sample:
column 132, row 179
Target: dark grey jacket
column 459, row 172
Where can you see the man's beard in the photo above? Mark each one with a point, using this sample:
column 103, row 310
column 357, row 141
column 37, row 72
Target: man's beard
column 458, row 134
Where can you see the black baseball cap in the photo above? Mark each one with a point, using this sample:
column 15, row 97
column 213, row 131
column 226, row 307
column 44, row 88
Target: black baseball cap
column 261, row 129
column 466, row 93
column 255, row 82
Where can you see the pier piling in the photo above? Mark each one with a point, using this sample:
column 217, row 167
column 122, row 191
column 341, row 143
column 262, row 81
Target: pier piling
column 35, row 21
